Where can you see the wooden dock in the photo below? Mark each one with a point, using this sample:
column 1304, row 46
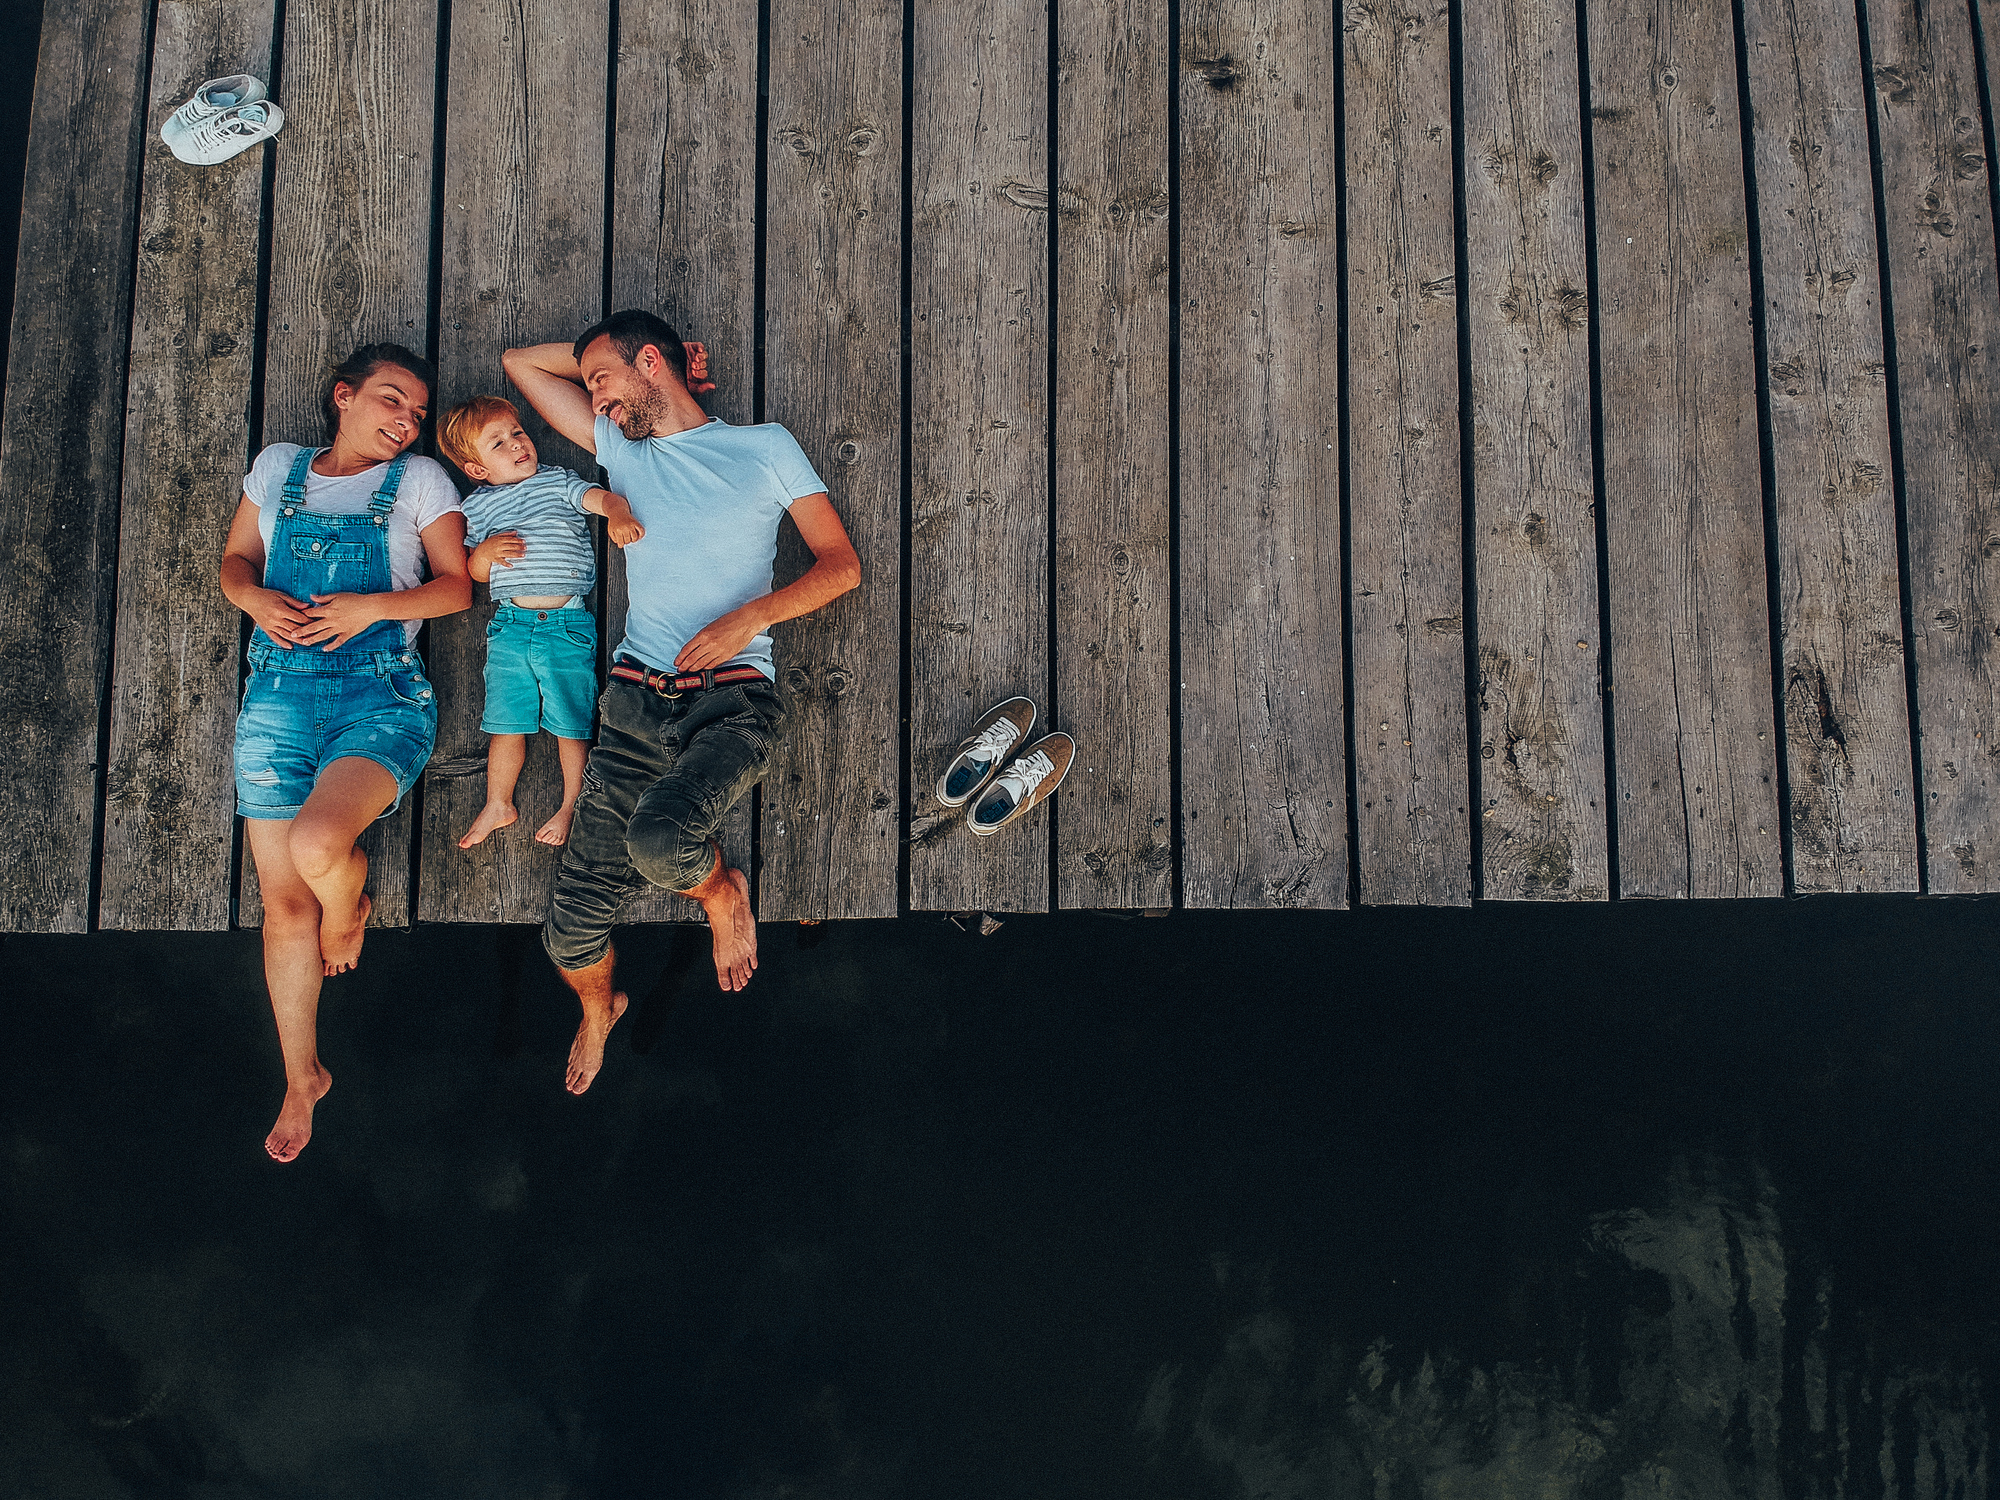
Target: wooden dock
column 1502, row 450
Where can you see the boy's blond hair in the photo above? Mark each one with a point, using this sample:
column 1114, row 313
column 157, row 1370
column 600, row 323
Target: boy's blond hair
column 460, row 429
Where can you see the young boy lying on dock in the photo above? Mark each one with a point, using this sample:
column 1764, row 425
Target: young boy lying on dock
column 530, row 544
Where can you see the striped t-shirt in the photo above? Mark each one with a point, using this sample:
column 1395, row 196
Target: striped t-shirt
column 546, row 509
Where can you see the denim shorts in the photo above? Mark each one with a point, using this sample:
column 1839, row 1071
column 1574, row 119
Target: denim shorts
column 314, row 708
column 541, row 672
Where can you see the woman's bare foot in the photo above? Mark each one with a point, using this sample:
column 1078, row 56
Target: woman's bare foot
column 586, row 1053
column 556, row 830
column 295, row 1120
column 493, row 816
column 734, row 926
column 340, row 947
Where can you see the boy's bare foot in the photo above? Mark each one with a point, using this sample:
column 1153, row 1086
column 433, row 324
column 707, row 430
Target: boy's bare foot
column 340, row 947
column 556, row 830
column 586, row 1053
column 734, row 926
column 494, row 815
column 295, row 1120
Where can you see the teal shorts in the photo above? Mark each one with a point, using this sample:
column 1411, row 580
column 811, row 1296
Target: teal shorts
column 541, row 672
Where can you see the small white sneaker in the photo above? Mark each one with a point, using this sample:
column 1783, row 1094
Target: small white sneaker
column 234, row 130
column 210, row 100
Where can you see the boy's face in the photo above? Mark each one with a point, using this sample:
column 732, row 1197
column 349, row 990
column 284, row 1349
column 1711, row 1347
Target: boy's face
column 506, row 453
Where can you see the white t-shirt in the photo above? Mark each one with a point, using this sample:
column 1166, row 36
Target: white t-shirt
column 425, row 494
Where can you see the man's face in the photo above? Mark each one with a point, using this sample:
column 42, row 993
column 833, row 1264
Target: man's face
column 506, row 453
column 623, row 392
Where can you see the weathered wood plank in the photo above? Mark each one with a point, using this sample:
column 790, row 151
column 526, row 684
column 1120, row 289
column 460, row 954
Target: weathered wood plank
column 1847, row 726
column 684, row 240
column 1114, row 496
column 523, row 264
column 1263, row 722
column 350, row 256
column 60, row 448
column 1945, row 295
column 1405, row 508
column 832, row 330
column 1690, row 644
column 1541, row 765
column 170, row 799
column 979, row 427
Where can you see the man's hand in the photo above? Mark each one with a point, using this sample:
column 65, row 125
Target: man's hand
column 721, row 641
column 279, row 616
column 502, row 548
column 697, row 361
column 338, row 618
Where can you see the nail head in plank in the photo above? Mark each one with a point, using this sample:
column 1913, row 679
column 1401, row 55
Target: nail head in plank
column 1263, row 722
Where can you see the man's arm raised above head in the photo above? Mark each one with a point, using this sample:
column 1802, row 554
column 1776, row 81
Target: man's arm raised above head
column 836, row 569
column 547, row 375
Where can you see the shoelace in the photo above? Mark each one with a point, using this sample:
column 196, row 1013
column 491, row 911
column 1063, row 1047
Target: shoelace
column 1027, row 773
column 994, row 739
column 239, row 123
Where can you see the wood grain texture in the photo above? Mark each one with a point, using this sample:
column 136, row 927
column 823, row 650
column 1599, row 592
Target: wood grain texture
column 1113, row 486
column 1946, row 299
column 1847, row 725
column 523, row 264
column 1405, row 507
column 350, row 257
column 170, row 798
column 1263, row 721
column 1690, row 642
column 1541, row 717
column 979, row 427
column 832, row 802
column 60, row 448
column 684, row 241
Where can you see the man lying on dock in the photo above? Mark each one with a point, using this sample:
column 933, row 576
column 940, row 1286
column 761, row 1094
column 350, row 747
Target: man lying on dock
column 692, row 713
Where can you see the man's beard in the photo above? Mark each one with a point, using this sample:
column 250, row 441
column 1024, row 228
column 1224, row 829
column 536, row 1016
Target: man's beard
column 640, row 411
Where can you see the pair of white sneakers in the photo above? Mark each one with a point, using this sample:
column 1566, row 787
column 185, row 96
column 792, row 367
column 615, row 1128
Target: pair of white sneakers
column 996, row 776
column 225, row 117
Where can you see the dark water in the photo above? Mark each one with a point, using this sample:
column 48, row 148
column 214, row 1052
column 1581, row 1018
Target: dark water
column 1625, row 1201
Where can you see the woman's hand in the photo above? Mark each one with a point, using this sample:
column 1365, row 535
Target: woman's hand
column 502, row 548
column 279, row 616
column 623, row 529
column 719, row 642
column 338, row 618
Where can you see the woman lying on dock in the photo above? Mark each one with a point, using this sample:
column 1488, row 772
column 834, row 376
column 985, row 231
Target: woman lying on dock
column 327, row 554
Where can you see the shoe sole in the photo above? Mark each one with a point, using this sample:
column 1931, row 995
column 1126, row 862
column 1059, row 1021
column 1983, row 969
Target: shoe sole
column 987, row 780
column 1040, row 794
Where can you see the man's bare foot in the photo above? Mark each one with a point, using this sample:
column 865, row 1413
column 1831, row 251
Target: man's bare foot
column 340, row 947
column 734, row 926
column 556, row 830
column 586, row 1053
column 295, row 1120
column 493, row 816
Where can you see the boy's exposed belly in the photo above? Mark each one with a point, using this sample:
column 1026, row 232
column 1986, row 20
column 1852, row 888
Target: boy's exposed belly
column 540, row 601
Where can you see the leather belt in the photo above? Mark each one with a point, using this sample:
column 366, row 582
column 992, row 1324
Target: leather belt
column 673, row 684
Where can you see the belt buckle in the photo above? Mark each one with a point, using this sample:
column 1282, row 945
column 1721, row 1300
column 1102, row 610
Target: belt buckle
column 663, row 684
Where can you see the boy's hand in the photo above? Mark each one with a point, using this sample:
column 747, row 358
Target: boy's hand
column 338, row 618
column 623, row 529
column 279, row 616
column 502, row 547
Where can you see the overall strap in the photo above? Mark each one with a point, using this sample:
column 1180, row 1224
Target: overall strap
column 295, row 482
column 384, row 500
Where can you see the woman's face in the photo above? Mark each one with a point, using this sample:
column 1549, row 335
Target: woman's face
column 382, row 416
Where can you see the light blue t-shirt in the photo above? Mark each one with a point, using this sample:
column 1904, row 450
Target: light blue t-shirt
column 710, row 499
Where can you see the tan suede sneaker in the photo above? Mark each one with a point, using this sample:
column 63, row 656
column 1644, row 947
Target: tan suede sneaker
column 1001, row 730
column 1030, row 779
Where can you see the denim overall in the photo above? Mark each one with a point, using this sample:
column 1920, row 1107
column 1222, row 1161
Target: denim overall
column 305, row 708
